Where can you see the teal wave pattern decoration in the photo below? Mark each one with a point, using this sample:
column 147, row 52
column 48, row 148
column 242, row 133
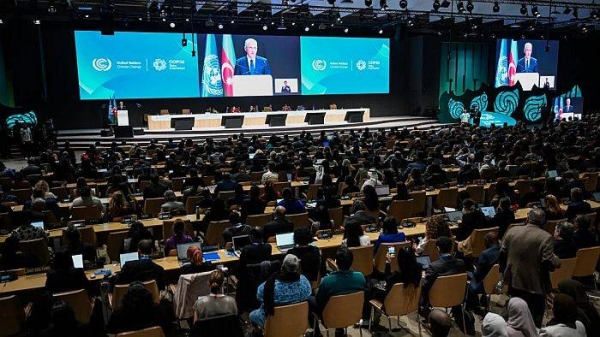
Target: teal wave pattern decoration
column 506, row 102
column 533, row 107
column 481, row 101
column 26, row 118
column 455, row 108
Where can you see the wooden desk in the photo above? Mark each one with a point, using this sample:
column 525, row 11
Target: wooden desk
column 294, row 185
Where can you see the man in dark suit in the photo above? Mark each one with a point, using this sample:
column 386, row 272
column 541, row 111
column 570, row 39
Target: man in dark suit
column 577, row 205
column 444, row 266
column 359, row 216
column 527, row 64
column 529, row 278
column 568, row 107
column 155, row 189
column 279, row 225
column 285, row 89
column 225, row 185
column 487, row 259
column 252, row 64
column 143, row 269
column 257, row 251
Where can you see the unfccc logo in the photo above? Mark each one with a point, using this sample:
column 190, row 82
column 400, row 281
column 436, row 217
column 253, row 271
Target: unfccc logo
column 319, row 65
column 102, row 64
column 159, row 64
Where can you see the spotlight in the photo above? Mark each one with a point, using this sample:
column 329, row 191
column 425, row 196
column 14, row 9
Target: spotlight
column 346, row 30
column 368, row 3
column 436, row 5
column 36, row 22
column 380, row 31
column 496, row 7
column 383, row 4
column 307, row 28
column 535, row 12
column 265, row 27
column 460, row 6
column 584, row 29
column 232, row 21
column 470, row 6
column 403, row 4
column 567, row 10
column 445, row 4
column 220, row 25
column 523, row 9
column 1, row 22
column 172, row 24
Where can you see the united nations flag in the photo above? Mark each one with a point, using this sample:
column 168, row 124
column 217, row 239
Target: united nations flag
column 212, row 85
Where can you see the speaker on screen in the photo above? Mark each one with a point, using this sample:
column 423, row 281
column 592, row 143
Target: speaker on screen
column 354, row 116
column 107, row 23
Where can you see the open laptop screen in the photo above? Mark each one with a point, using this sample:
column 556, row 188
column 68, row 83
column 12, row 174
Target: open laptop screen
column 284, row 239
column 77, row 261
column 424, row 260
column 38, row 224
column 124, row 258
column 454, row 216
column 552, row 174
column 488, row 211
column 182, row 250
column 382, row 190
column 240, row 241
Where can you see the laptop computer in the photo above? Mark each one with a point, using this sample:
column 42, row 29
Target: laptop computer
column 289, row 176
column 182, row 253
column 424, row 260
column 124, row 258
column 77, row 261
column 251, row 155
column 454, row 216
column 488, row 211
column 325, row 143
column 552, row 174
column 596, row 196
column 239, row 242
column 382, row 190
column 284, row 241
column 38, row 224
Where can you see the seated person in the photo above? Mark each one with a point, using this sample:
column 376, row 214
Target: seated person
column 237, row 228
column 309, row 255
column 291, row 204
column 354, row 236
column 253, row 205
column 585, row 235
column 503, row 218
column 12, row 258
column 330, row 199
column 138, row 311
column 390, row 233
column 577, row 205
column 435, row 227
column 257, row 251
column 86, row 199
column 63, row 276
column 137, row 233
column 217, row 303
column 439, row 323
column 564, row 322
column 472, row 219
column 351, row 186
column 358, row 215
column 171, row 204
column 564, row 245
column 197, row 263
column 143, row 269
column 486, row 260
column 26, row 231
column 279, row 225
column 179, row 237
column 320, row 220
column 74, row 245
column 118, row 207
column 285, row 287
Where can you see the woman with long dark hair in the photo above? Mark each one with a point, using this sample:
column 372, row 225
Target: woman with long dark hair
column 138, row 311
column 408, row 273
column 354, row 236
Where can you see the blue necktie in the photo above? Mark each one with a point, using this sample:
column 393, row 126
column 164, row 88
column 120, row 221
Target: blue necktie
column 251, row 67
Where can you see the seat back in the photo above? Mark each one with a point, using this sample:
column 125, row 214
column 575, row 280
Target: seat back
column 177, row 184
column 342, row 311
column 313, row 191
column 400, row 209
column 190, row 203
column 154, row 331
column 12, row 316
column 258, row 220
column 587, row 258
column 448, row 291
column 431, row 250
column 478, row 239
column 522, row 186
column 214, row 233
column 280, row 324
column 362, row 259
column 164, row 111
column 114, row 245
column 591, row 182
column 256, row 176
column 186, row 111
column 225, row 195
column 447, row 197
column 564, row 272
column 152, row 206
column 402, row 300
column 299, row 220
column 60, row 192
column 476, row 193
column 189, row 288
column 380, row 256
column 419, row 202
column 22, row 195
column 279, row 186
column 120, row 290
column 79, row 301
column 224, row 325
column 37, row 247
column 491, row 279
column 86, row 213
column 337, row 215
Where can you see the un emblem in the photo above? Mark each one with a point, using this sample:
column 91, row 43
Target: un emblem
column 211, row 76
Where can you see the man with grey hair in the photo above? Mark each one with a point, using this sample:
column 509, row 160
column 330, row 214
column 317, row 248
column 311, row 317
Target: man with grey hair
column 526, row 258
column 527, row 64
column 171, row 204
column 252, row 64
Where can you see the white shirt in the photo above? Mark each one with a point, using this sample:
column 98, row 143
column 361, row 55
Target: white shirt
column 464, row 117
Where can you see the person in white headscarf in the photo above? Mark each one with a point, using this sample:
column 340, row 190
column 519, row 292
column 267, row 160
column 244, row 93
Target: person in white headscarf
column 520, row 321
column 493, row 325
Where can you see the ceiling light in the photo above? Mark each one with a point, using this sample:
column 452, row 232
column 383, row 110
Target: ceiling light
column 436, row 5
column 403, row 4
column 496, row 7
column 51, row 9
column 470, row 6
column 36, row 22
column 523, row 9
column 535, row 12
column 380, row 31
column 220, row 25
column 1, row 22
column 265, row 27
column 346, row 30
column 594, row 15
column 368, row 3
column 172, row 24
column 307, row 28
column 460, row 6
column 584, row 29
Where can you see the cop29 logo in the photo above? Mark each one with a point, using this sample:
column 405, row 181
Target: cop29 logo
column 102, row 64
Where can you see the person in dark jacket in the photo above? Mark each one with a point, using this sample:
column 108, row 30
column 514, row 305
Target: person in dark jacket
column 503, row 218
column 486, row 260
column 279, row 225
column 143, row 269
column 564, row 245
column 64, row 277
column 577, row 205
column 584, row 235
column 472, row 219
column 155, row 189
column 253, row 205
column 257, row 251
column 310, row 256
column 138, row 311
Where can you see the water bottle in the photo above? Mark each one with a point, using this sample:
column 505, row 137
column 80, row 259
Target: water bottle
column 197, row 212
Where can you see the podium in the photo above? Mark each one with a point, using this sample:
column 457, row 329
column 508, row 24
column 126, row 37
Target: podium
column 123, row 117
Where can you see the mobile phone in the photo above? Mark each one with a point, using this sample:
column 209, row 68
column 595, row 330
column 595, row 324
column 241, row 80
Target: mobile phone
column 391, row 251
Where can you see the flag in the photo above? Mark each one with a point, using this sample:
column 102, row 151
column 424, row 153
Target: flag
column 502, row 67
column 212, row 86
column 227, row 64
column 114, row 104
column 512, row 63
column 111, row 116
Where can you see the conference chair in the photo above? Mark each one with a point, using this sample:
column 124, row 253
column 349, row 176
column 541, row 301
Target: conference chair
column 313, row 191
column 490, row 281
column 258, row 220
column 154, row 331
column 477, row 240
column 214, row 233
column 79, row 301
column 522, row 186
column 114, row 245
column 256, row 177
column 188, row 289
column 279, row 186
column 61, row 193
column 400, row 301
column 190, row 203
column 419, row 204
column 152, row 206
column 225, row 195
column 587, row 259
column 87, row 233
column 592, row 182
column 564, row 272
column 477, row 193
column 550, row 225
column 447, row 197
column 449, row 291
column 363, row 259
column 218, row 326
column 337, row 216
column 431, row 250
column 400, row 209
column 280, row 324
column 37, row 247
column 186, row 111
column 177, row 184
column 22, row 195
column 342, row 311
column 6, row 222
column 380, row 257
column 120, row 290
column 164, row 111
column 299, row 220
column 87, row 213
column 12, row 316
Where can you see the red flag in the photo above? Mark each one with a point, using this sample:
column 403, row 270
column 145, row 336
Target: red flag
column 512, row 63
column 227, row 65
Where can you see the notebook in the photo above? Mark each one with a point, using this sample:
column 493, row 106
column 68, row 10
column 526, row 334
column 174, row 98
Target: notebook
column 124, row 258
column 284, row 241
column 424, row 260
column 489, row 211
column 239, row 242
column 382, row 190
column 552, row 174
column 182, row 253
column 38, row 224
column 77, row 261
column 454, row 216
